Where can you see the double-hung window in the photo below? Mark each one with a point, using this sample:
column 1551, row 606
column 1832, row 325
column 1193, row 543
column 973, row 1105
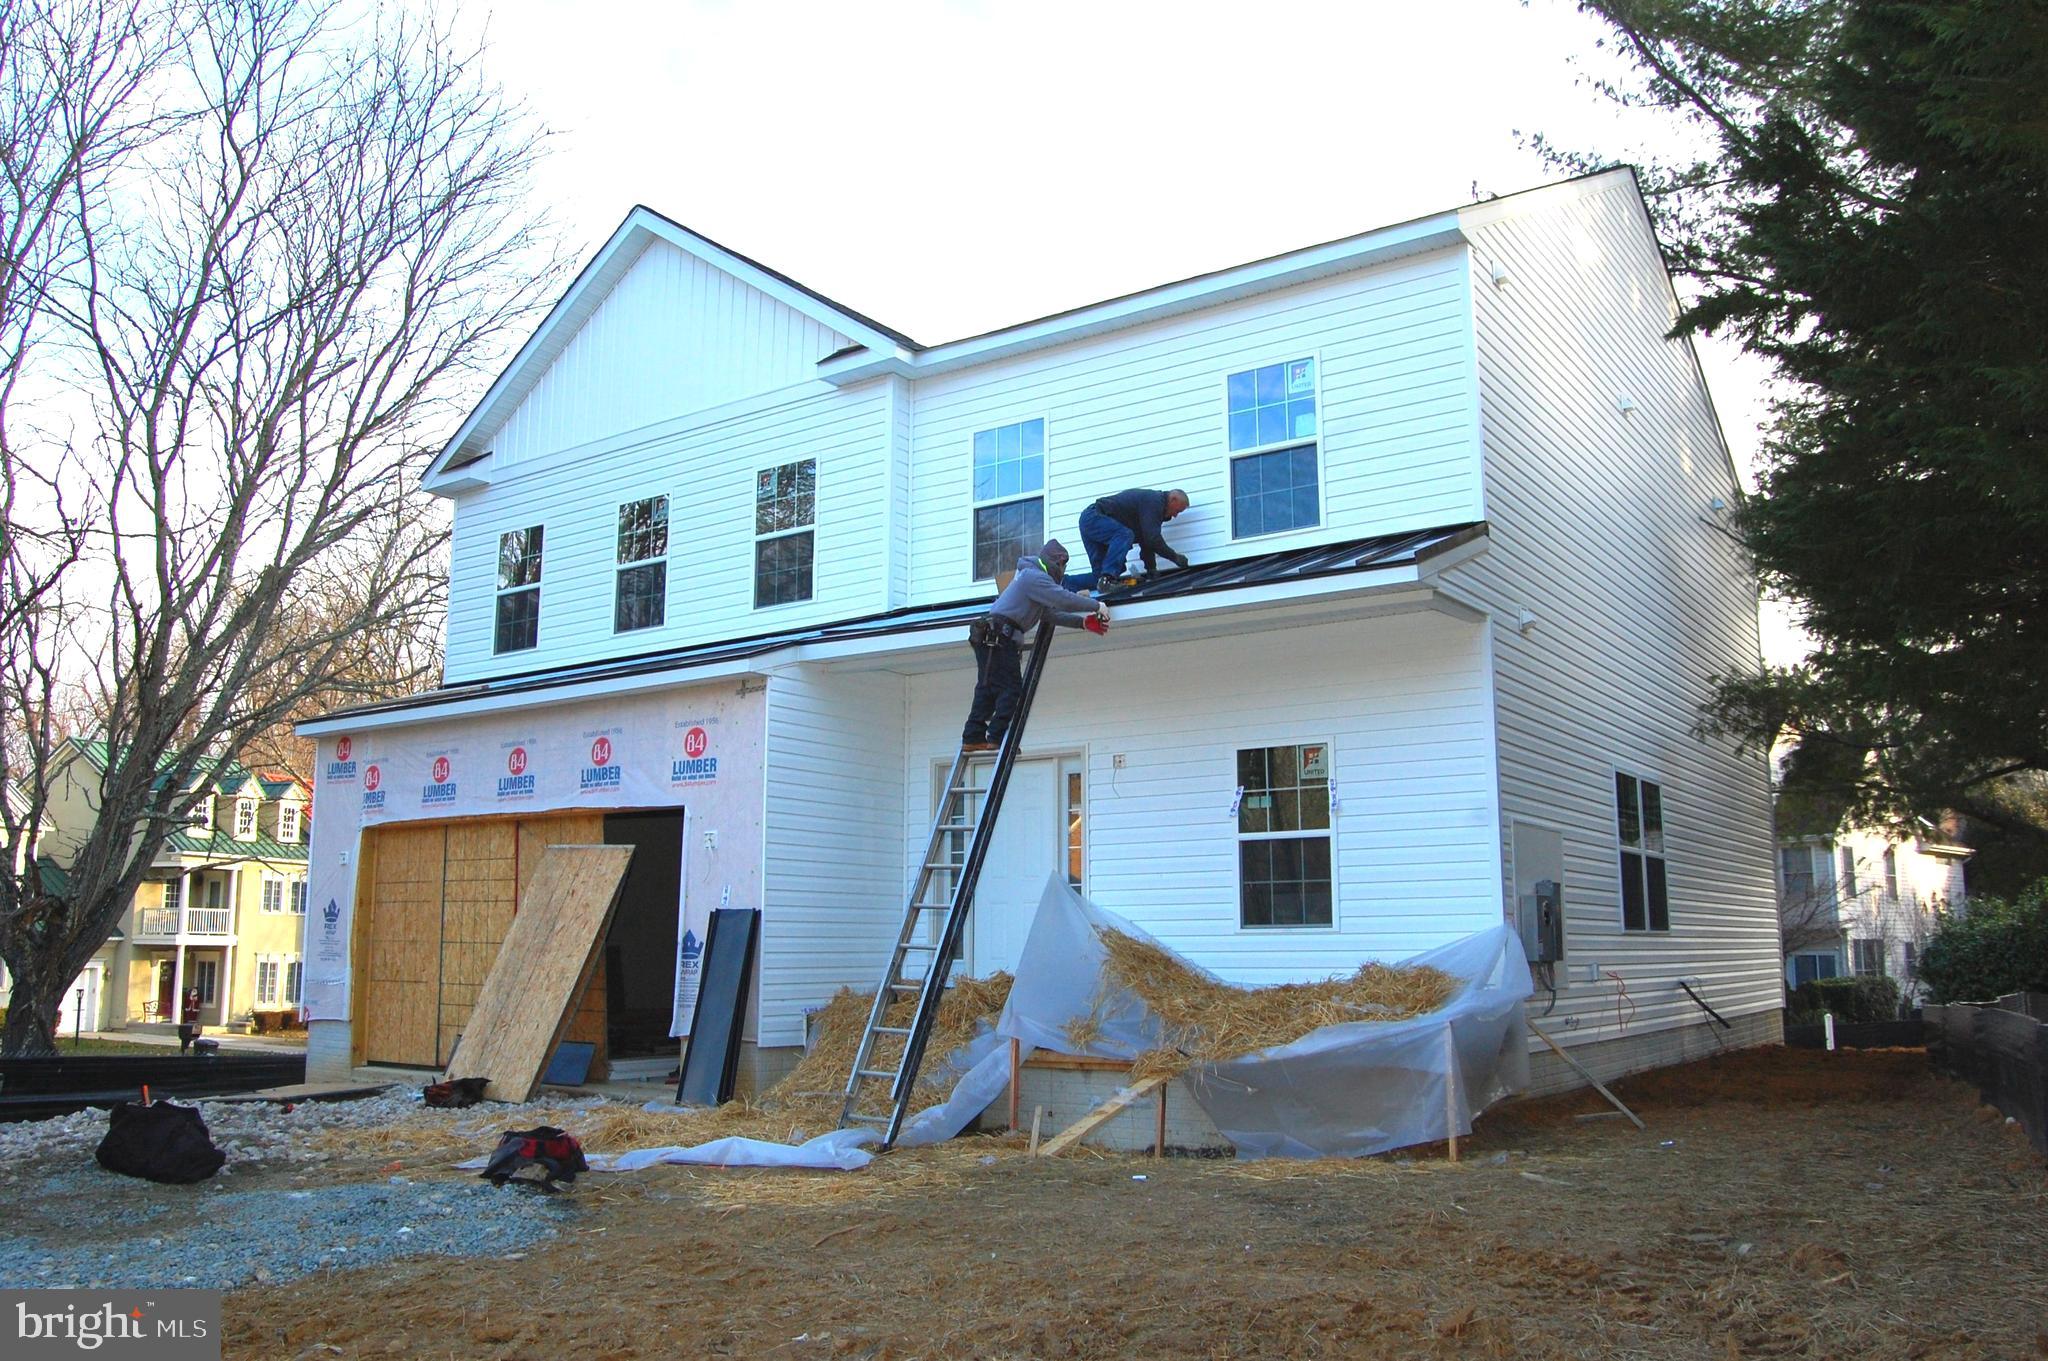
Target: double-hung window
column 1283, row 835
column 273, row 895
column 294, row 977
column 1891, row 873
column 245, row 819
column 1849, row 889
column 1009, row 495
column 267, row 979
column 1866, row 958
column 785, row 537
column 1645, row 887
column 518, row 624
column 297, row 895
column 640, row 596
column 1274, row 484
column 288, row 822
column 174, row 890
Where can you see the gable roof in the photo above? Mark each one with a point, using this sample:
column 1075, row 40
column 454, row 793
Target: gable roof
column 641, row 229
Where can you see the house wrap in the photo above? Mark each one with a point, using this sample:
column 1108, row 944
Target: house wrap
column 1460, row 578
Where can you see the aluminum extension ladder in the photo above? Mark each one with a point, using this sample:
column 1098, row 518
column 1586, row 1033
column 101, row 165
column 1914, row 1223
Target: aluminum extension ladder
column 945, row 887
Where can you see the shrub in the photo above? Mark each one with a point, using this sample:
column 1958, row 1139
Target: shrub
column 1853, row 1000
column 1993, row 947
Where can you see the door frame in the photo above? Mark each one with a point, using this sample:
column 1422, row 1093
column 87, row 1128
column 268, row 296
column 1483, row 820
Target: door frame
column 1065, row 760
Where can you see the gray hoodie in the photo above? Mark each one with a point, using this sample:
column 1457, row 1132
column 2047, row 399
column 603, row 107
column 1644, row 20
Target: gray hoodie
column 1032, row 595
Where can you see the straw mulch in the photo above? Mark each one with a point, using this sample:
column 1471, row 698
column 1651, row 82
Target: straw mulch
column 803, row 1105
column 1208, row 1022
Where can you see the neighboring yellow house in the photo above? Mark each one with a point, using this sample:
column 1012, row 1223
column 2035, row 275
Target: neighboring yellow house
column 222, row 914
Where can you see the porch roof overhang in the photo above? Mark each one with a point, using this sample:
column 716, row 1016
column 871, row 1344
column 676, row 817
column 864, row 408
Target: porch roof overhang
column 1384, row 574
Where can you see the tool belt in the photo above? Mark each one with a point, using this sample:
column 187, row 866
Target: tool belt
column 989, row 631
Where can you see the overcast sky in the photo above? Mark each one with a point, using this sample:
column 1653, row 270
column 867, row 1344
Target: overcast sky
column 948, row 168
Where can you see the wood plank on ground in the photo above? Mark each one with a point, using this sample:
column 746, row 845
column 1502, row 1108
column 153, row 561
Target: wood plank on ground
column 546, row 962
column 1100, row 1116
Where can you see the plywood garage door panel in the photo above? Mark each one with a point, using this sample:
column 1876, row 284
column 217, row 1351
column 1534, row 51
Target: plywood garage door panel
column 402, row 973
column 546, row 960
column 478, row 897
column 571, row 829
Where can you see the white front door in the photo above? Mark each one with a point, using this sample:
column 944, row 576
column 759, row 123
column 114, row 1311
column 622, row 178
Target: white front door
column 81, row 1009
column 1029, row 843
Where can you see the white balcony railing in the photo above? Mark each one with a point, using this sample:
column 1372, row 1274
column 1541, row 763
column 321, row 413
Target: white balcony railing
column 199, row 921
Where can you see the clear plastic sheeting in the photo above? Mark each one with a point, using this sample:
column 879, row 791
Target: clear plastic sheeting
column 1341, row 1091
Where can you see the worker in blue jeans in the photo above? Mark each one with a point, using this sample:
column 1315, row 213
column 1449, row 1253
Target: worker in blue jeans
column 1130, row 519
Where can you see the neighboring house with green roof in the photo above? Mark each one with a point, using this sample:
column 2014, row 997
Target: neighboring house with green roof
column 222, row 913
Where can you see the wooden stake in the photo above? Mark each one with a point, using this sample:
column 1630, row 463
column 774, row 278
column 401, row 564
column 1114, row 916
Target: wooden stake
column 1037, row 1114
column 1159, row 1133
column 1579, row 1068
column 1016, row 1062
column 1451, row 1091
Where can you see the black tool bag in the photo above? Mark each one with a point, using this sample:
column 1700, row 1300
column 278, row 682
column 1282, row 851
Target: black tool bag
column 161, row 1142
column 558, row 1156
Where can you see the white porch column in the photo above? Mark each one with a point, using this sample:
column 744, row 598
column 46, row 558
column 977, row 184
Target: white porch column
column 184, row 899
column 177, row 978
column 227, row 962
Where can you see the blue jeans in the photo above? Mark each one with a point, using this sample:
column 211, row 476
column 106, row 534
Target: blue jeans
column 1107, row 542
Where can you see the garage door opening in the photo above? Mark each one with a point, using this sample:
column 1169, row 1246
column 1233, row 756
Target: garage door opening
column 640, row 948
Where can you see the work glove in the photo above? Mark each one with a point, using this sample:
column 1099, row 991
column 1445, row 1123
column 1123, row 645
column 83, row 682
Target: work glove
column 1102, row 611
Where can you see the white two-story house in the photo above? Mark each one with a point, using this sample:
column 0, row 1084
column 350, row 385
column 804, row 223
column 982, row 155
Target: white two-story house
column 1460, row 578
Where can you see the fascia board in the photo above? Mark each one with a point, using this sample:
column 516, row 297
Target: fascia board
column 532, row 699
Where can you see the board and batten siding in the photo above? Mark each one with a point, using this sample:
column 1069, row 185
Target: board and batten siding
column 674, row 335
column 1603, row 530
column 1402, row 701
column 707, row 470
column 832, row 885
column 1146, row 407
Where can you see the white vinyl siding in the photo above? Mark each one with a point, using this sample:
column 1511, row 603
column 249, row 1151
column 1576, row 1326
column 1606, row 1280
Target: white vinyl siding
column 832, row 888
column 675, row 335
column 1602, row 530
column 707, row 473
column 1404, row 706
column 1146, row 408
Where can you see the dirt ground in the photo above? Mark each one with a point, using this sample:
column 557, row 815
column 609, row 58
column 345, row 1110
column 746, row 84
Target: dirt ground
column 1782, row 1203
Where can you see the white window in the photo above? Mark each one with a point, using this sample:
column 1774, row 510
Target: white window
column 173, row 892
column 288, row 822
column 1809, row 872
column 1891, row 872
column 294, row 975
column 1866, row 957
column 1009, row 495
column 245, row 819
column 268, row 971
column 201, row 815
column 216, row 890
column 518, row 622
column 1645, row 888
column 640, row 593
column 1274, row 478
column 1807, row 967
column 1283, row 836
column 273, row 894
column 298, row 897
column 1849, row 889
column 785, row 511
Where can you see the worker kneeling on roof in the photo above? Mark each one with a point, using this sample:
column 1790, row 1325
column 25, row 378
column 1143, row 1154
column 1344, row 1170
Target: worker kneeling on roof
column 1032, row 596
column 1115, row 524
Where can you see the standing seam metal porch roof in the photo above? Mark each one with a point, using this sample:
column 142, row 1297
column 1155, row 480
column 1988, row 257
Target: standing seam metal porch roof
column 1267, row 569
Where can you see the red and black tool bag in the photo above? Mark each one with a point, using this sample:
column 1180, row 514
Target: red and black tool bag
column 557, row 1154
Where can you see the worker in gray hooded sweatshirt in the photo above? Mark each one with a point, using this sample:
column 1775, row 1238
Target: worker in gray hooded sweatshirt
column 1033, row 595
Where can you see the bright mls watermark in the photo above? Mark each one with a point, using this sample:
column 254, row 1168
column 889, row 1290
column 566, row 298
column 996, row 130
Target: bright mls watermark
column 165, row 1325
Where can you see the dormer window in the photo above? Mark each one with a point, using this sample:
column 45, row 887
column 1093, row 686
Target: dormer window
column 288, row 822
column 201, row 816
column 245, row 819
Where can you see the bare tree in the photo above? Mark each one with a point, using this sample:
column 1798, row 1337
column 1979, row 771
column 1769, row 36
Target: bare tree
column 279, row 245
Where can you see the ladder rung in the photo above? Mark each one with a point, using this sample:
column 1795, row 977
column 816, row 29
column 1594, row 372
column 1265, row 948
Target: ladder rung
column 869, row 1119
column 890, row 1030
column 888, row 1074
column 956, row 827
column 917, row 986
column 916, row 945
column 930, row 907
